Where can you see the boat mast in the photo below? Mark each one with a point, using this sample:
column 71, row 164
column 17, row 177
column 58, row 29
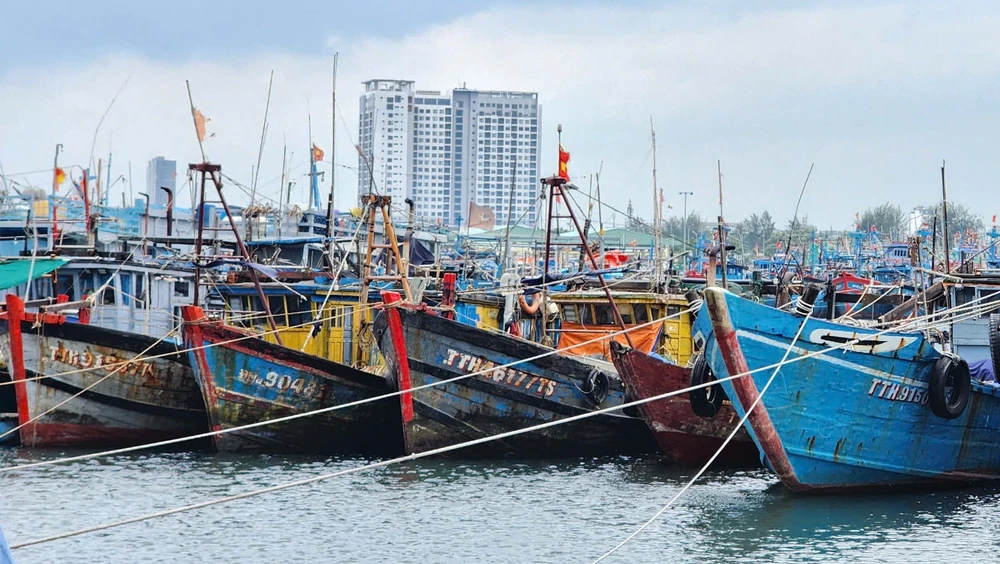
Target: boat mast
column 944, row 206
column 510, row 209
column 657, row 220
column 722, row 231
column 331, row 232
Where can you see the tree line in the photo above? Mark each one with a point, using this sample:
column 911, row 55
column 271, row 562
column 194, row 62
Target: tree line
column 761, row 232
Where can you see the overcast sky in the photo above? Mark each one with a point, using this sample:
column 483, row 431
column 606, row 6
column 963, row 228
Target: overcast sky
column 876, row 94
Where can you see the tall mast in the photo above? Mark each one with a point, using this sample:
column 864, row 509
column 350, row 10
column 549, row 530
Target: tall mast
column 656, row 214
column 281, row 187
column 944, row 205
column 313, row 188
column 333, row 150
column 722, row 230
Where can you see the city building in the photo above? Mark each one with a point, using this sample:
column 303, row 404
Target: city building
column 160, row 172
column 446, row 151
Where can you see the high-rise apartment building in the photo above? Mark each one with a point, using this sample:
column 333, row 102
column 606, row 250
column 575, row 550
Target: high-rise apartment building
column 446, row 151
column 160, row 172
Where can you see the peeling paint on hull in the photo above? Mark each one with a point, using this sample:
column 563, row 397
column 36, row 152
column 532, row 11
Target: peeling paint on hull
column 533, row 392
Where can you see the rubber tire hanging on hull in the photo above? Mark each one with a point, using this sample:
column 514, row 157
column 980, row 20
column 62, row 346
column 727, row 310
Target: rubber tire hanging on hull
column 598, row 387
column 955, row 371
column 995, row 343
column 705, row 402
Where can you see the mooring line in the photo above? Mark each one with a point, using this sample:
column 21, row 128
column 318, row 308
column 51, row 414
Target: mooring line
column 424, row 454
column 372, row 466
column 84, row 390
column 355, row 403
column 725, row 443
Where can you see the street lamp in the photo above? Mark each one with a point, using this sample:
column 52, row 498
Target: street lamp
column 685, row 226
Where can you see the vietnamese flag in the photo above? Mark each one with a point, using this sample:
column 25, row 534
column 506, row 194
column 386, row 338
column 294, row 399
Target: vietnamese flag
column 317, row 154
column 60, row 176
column 563, row 163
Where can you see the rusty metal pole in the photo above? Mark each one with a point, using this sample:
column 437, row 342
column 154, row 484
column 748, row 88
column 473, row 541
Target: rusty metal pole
column 593, row 263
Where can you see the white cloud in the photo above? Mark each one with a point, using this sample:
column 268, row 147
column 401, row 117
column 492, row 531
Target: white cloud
column 874, row 94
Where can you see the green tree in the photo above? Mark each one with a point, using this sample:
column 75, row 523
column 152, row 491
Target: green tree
column 960, row 218
column 887, row 218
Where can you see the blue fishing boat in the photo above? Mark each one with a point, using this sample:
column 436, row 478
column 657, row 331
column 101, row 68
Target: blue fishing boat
column 885, row 408
column 512, row 384
column 246, row 380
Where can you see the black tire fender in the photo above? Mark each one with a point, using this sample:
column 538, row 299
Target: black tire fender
column 598, row 387
column 705, row 402
column 995, row 343
column 949, row 372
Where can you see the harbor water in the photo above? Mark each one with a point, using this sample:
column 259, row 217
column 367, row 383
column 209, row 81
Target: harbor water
column 452, row 510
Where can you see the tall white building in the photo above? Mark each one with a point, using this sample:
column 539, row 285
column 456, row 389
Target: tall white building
column 384, row 123
column 447, row 150
column 160, row 172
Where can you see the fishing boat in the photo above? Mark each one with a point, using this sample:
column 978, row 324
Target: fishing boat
column 485, row 383
column 865, row 409
column 684, row 436
column 246, row 380
column 82, row 385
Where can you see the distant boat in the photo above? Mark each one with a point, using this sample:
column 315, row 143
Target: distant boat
column 423, row 348
column 247, row 380
column 888, row 410
column 81, row 385
column 685, row 437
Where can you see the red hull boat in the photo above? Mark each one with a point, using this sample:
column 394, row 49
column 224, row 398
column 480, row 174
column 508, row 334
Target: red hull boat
column 686, row 438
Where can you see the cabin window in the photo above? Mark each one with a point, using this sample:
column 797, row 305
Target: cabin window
column 586, row 314
column 126, row 282
column 673, row 310
column 626, row 312
column 278, row 311
column 641, row 313
column 302, row 313
column 182, row 289
column 569, row 313
column 604, row 315
column 108, row 296
column 64, row 285
column 654, row 312
column 140, row 296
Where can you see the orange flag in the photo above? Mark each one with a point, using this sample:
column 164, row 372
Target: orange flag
column 317, row 153
column 481, row 217
column 199, row 124
column 563, row 163
column 60, row 176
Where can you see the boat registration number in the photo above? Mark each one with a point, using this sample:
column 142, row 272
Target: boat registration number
column 282, row 383
column 887, row 390
column 505, row 375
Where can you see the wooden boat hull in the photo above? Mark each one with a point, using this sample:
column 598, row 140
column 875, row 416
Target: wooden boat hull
column 421, row 349
column 69, row 392
column 246, row 380
column 686, row 438
column 849, row 419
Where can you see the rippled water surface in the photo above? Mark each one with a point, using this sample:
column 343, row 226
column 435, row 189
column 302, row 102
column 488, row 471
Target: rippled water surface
column 465, row 511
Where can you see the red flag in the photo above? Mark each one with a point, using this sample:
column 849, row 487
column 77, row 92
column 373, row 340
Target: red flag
column 317, row 153
column 563, row 163
column 60, row 176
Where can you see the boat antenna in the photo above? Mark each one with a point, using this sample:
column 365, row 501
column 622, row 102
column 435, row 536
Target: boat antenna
column 510, row 210
column 944, row 207
column 722, row 231
column 656, row 214
column 795, row 217
column 263, row 135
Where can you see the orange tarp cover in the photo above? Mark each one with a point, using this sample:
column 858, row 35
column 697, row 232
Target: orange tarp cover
column 643, row 338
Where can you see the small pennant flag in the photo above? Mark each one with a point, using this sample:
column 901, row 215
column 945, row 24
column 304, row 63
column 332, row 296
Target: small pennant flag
column 563, row 163
column 199, row 124
column 60, row 176
column 317, row 153
column 81, row 186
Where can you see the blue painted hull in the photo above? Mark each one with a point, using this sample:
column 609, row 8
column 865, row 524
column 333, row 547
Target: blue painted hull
column 849, row 418
column 421, row 348
column 247, row 381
